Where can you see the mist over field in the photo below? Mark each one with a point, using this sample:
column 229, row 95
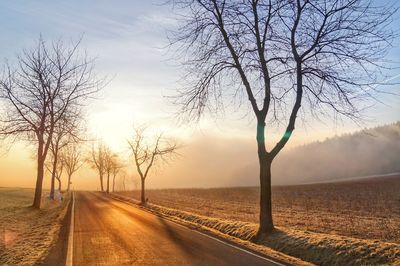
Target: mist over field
column 233, row 162
column 367, row 152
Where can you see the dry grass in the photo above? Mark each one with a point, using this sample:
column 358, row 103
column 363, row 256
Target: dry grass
column 26, row 234
column 346, row 223
column 367, row 208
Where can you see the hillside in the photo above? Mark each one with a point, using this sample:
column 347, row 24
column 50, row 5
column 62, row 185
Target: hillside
column 367, row 152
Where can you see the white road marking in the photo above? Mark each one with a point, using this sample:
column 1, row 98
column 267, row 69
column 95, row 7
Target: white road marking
column 214, row 238
column 230, row 245
column 70, row 247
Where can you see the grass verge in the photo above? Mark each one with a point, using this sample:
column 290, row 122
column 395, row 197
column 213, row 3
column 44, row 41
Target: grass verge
column 27, row 234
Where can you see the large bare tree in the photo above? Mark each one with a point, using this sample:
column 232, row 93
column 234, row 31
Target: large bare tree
column 324, row 55
column 46, row 82
column 147, row 152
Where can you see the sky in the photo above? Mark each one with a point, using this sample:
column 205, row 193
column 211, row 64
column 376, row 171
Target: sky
column 129, row 41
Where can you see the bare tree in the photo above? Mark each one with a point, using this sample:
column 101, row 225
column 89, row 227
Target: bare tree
column 106, row 163
column 119, row 179
column 123, row 182
column 56, row 170
column 72, row 160
column 325, row 55
column 98, row 161
column 46, row 82
column 135, row 182
column 116, row 168
column 111, row 166
column 58, row 174
column 66, row 132
column 127, row 179
column 147, row 153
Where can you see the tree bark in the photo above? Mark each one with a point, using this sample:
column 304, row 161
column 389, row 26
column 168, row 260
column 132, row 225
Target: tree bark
column 59, row 184
column 266, row 223
column 113, row 184
column 142, row 196
column 39, row 178
column 53, row 175
column 69, row 183
column 108, row 183
column 101, row 182
column 53, row 178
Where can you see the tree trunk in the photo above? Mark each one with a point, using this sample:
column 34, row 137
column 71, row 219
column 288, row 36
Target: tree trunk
column 53, row 175
column 53, row 178
column 69, row 183
column 39, row 178
column 142, row 196
column 59, row 183
column 266, row 224
column 113, row 184
column 101, row 182
column 108, row 183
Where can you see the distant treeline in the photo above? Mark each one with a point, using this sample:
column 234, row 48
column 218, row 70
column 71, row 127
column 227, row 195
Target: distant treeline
column 366, row 152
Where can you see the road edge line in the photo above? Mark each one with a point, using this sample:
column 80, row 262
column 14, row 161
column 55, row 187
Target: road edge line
column 225, row 242
column 70, row 247
column 234, row 246
column 221, row 240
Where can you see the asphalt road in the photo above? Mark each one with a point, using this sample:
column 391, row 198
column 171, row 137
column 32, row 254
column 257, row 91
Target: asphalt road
column 110, row 232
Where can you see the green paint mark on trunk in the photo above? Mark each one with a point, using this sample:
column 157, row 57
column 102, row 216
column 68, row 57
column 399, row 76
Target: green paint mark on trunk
column 260, row 133
column 287, row 135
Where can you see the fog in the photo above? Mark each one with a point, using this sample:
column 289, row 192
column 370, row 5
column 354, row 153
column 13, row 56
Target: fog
column 216, row 161
column 367, row 152
column 219, row 161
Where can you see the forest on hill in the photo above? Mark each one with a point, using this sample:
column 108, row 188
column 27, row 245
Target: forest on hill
column 366, row 152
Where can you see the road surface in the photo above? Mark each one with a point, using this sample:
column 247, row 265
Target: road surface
column 110, row 232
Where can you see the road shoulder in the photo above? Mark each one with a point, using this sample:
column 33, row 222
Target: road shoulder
column 244, row 245
column 58, row 252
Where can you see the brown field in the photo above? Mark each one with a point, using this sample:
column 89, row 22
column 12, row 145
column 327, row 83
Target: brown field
column 365, row 208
